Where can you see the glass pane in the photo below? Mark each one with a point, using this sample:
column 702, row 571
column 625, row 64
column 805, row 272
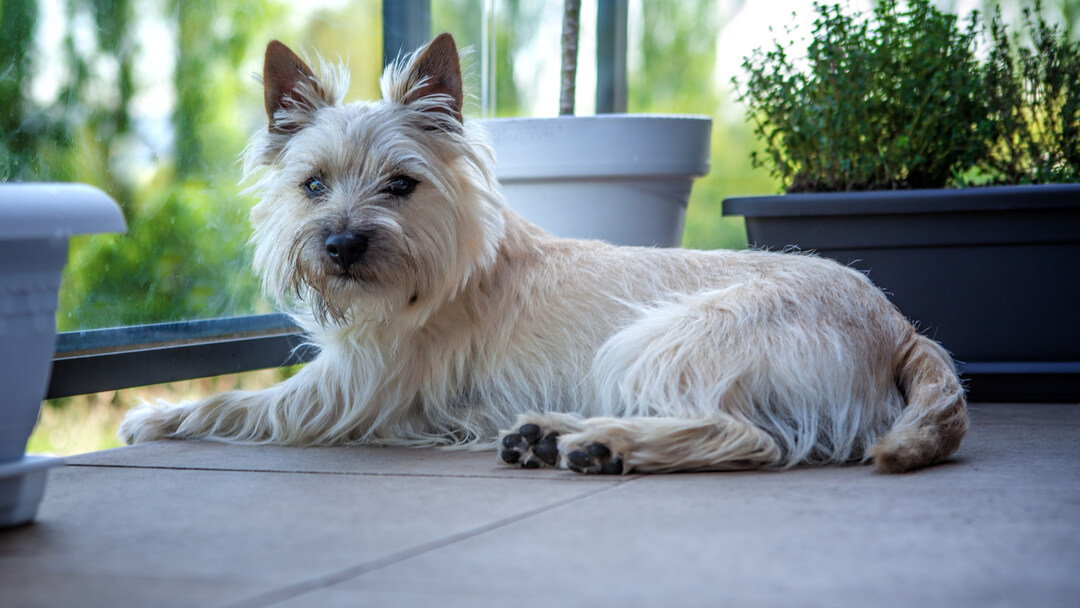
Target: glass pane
column 500, row 36
column 153, row 101
column 514, row 54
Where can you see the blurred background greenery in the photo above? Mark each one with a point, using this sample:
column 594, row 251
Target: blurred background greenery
column 153, row 101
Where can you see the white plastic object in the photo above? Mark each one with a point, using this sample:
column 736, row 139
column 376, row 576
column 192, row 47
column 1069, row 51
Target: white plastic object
column 22, row 485
column 622, row 178
column 36, row 220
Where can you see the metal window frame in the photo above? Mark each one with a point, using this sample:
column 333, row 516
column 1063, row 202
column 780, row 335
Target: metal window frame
column 96, row 360
column 611, row 33
column 406, row 27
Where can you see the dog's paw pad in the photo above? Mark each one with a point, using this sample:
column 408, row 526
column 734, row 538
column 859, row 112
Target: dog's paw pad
column 547, row 449
column 531, row 432
column 529, row 447
column 595, row 458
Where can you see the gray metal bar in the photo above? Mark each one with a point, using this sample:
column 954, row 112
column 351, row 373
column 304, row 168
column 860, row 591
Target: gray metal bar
column 96, row 360
column 611, row 56
column 133, row 337
column 1021, row 382
column 142, row 366
column 406, row 27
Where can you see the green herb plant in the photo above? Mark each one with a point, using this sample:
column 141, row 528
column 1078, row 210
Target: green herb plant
column 899, row 99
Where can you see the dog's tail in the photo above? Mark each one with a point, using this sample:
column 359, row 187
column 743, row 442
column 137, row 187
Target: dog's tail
column 934, row 422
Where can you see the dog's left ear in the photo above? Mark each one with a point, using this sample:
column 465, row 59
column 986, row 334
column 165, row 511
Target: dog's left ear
column 290, row 89
column 438, row 69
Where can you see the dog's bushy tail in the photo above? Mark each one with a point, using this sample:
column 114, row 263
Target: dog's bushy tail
column 934, row 422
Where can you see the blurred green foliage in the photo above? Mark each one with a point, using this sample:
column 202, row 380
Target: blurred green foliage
column 684, row 34
column 184, row 255
column 1033, row 95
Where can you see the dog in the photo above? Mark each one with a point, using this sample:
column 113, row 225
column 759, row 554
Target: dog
column 441, row 317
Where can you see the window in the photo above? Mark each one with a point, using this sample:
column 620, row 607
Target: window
column 153, row 101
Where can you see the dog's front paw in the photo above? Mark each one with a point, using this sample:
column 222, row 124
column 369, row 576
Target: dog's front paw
column 529, row 447
column 585, row 456
column 148, row 422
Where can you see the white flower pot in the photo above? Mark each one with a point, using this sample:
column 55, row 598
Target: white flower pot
column 35, row 223
column 622, row 178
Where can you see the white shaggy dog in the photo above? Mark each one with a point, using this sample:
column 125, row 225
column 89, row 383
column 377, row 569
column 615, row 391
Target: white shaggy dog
column 441, row 316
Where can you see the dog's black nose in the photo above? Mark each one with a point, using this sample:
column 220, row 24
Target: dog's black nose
column 345, row 247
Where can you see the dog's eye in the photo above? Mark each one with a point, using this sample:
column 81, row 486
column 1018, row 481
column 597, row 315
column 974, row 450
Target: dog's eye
column 315, row 187
column 401, row 185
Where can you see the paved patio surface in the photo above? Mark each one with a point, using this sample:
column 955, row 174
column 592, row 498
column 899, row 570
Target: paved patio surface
column 200, row 524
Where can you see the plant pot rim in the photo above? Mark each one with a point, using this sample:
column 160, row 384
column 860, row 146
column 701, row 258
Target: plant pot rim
column 887, row 202
column 600, row 147
column 56, row 210
column 599, row 118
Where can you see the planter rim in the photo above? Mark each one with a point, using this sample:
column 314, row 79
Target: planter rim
column 599, row 118
column 28, row 464
column 601, row 146
column 887, row 202
column 55, row 210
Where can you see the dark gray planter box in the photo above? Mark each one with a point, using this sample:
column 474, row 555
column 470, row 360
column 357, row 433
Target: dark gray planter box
column 991, row 273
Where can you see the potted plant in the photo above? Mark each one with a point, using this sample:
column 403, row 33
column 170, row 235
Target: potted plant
column 623, row 178
column 890, row 110
column 35, row 223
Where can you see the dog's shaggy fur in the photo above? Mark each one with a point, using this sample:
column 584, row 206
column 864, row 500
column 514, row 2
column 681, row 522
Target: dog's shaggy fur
column 442, row 317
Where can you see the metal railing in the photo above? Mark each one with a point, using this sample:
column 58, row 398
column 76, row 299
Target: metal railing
column 95, row 360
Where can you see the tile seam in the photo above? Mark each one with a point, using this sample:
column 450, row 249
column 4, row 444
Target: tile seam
column 322, row 582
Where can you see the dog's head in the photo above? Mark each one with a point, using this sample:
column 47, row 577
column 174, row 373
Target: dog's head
column 371, row 210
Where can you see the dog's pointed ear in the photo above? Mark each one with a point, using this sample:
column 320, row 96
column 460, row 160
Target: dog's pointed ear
column 438, row 69
column 290, row 88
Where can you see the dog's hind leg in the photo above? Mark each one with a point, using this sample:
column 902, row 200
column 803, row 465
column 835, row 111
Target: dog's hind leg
column 665, row 444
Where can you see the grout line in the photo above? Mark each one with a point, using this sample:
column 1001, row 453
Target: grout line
column 287, row 592
column 577, row 477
